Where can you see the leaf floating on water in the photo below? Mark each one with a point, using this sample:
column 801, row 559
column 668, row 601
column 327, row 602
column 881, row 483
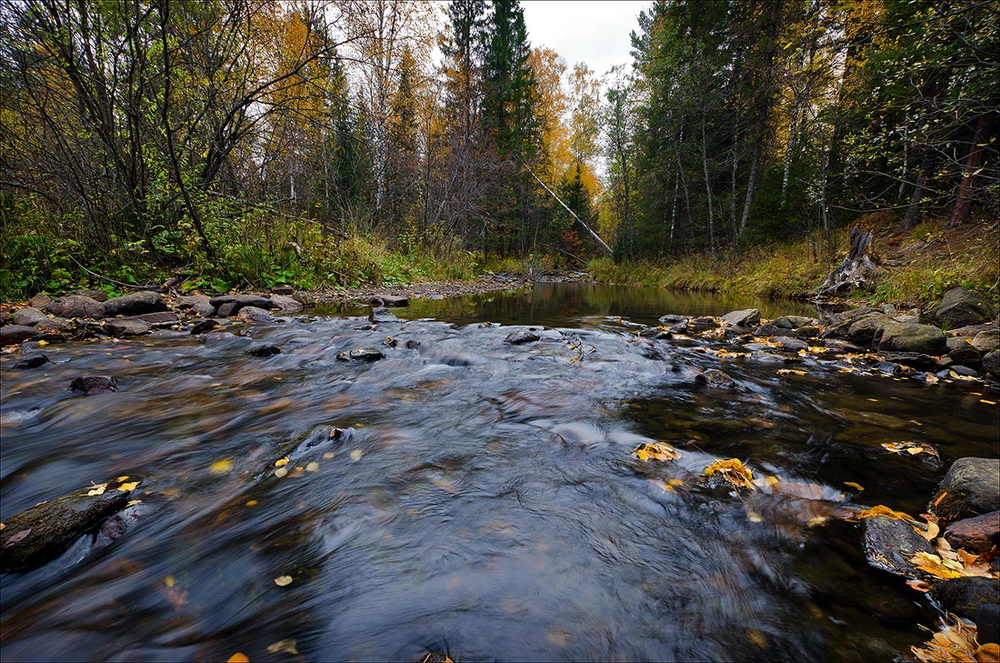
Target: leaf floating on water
column 281, row 462
column 220, row 466
column 882, row 511
column 98, row 489
column 126, row 487
column 656, row 451
column 789, row 371
column 238, row 657
column 733, row 471
column 912, row 448
column 312, row 466
column 356, row 454
column 337, row 433
column 280, row 472
column 918, row 585
column 283, row 647
column 283, row 581
column 857, row 486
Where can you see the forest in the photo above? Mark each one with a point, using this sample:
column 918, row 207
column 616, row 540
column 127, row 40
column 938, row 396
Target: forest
column 248, row 143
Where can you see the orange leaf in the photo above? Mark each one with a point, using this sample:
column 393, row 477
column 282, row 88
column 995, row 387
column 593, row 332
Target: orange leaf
column 238, row 657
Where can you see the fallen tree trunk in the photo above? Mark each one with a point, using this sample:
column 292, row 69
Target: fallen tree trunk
column 860, row 268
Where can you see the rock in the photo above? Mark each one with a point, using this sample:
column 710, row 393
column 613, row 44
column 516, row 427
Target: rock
column 960, row 307
column 127, row 327
column 970, row 488
column 808, row 331
column 203, row 326
column 671, row 319
column 40, row 301
column 96, row 295
column 978, row 534
column 987, row 620
column 56, row 324
column 969, row 330
column 196, row 304
column 255, row 315
column 772, row 330
column 655, row 333
column 840, row 323
column 135, row 303
column 889, row 545
column 14, row 334
column 703, row 323
column 361, row 354
column 264, row 351
column 964, row 596
column 792, row 344
column 287, row 304
column 791, row 321
column 94, row 384
column 943, row 362
column 961, row 351
column 867, row 330
column 76, row 306
column 964, row 370
column 239, row 301
column 713, row 377
column 284, row 290
column 987, row 340
column 521, row 336
column 900, row 337
column 389, row 300
column 916, row 360
column 29, row 317
column 381, row 315
column 31, row 361
column 991, row 363
column 746, row 318
column 161, row 318
column 42, row 532
column 305, row 298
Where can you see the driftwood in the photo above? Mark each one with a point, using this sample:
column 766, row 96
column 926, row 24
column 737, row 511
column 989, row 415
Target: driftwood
column 860, row 268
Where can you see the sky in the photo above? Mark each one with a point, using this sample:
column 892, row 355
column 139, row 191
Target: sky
column 594, row 32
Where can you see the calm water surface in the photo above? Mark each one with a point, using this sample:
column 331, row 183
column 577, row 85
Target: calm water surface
column 484, row 501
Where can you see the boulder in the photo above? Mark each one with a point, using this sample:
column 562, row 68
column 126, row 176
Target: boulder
column 127, row 327
column 40, row 301
column 713, row 377
column 772, row 330
column 889, row 545
column 29, row 317
column 389, row 300
column 978, row 534
column 970, row 488
column 361, row 354
column 14, row 334
column 54, row 324
column 42, row 532
column 746, row 318
column 671, row 319
column 987, row 340
column 703, row 323
column 902, row 337
column 94, row 384
column 307, row 299
column 96, row 295
column 135, row 303
column 867, row 330
column 960, row 307
column 991, row 363
column 159, row 319
column 792, row 321
column 521, row 336
column 961, row 352
column 380, row 314
column 915, row 360
column 203, row 326
column 239, row 301
column 285, row 303
column 987, row 620
column 793, row 344
column 965, row 596
column 227, row 309
column 76, row 306
column 963, row 370
column 31, row 361
column 807, row 331
column 264, row 351
column 282, row 290
column 969, row 330
column 196, row 304
column 255, row 315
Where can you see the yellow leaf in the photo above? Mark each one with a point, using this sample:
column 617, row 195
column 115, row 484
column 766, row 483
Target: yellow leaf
column 789, row 371
column 912, row 448
column 733, row 471
column 656, row 451
column 856, row 486
column 122, row 478
column 251, row 503
column 281, row 462
column 881, row 511
column 238, row 657
column 43, row 343
column 283, row 647
column 128, row 486
column 169, row 581
column 983, row 400
column 312, row 466
column 98, row 489
column 933, row 529
column 220, row 466
column 283, row 581
column 934, row 565
column 280, row 472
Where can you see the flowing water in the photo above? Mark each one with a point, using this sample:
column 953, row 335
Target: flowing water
column 483, row 500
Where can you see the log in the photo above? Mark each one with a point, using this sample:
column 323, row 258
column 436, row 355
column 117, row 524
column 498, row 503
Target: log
column 860, row 268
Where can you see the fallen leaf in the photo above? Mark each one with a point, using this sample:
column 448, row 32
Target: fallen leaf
column 98, row 489
column 238, row 657
column 956, row 641
column 251, row 503
column 881, row 511
column 283, row 647
column 312, row 466
column 126, row 487
column 935, row 566
column 17, row 538
column 918, row 585
column 356, row 454
column 656, row 451
column 220, row 466
column 336, row 433
column 789, row 371
column 281, row 462
column 930, row 532
column 280, row 472
column 733, row 471
column 283, row 581
column 912, row 448
column 856, row 486
column 983, row 400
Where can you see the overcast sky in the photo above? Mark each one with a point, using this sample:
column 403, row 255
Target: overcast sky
column 594, row 32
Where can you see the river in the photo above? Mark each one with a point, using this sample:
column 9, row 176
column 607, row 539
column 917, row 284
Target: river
column 482, row 499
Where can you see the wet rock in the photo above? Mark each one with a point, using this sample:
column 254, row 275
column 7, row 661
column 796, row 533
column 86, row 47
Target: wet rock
column 236, row 302
column 840, row 345
column 772, row 330
column 94, row 384
column 987, row 620
column 54, row 324
column 808, row 331
column 792, row 344
column 412, row 344
column 14, row 334
column 158, row 319
column 39, row 534
column 203, row 326
column 655, row 333
column 284, row 290
column 256, row 315
column 135, row 303
column 713, row 377
column 970, row 488
column 791, row 321
column 381, row 315
column 286, row 304
column 889, row 368
column 943, row 362
column 978, row 534
column 29, row 317
column 987, row 340
column 671, row 319
column 991, row 363
column 96, row 295
column 900, row 337
column 915, row 360
column 305, row 298
column 969, row 330
column 76, row 306
column 389, row 300
column 264, row 351
column 127, row 327
column 703, row 323
column 196, row 304
column 965, row 596
column 889, row 544
column 521, row 336
column 867, row 330
column 361, row 354
column 31, row 361
column 964, row 371
column 961, row 352
column 960, row 307
column 746, row 318
column 40, row 301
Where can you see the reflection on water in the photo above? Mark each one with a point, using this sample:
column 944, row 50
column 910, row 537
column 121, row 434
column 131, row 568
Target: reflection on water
column 484, row 501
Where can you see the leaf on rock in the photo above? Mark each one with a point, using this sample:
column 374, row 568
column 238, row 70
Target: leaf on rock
column 912, row 448
column 656, row 451
column 98, row 489
column 882, row 511
column 126, row 487
column 935, row 566
column 281, row 462
column 733, row 471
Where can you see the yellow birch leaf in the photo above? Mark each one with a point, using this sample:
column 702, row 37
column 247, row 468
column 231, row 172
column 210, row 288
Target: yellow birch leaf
column 128, row 486
column 281, row 462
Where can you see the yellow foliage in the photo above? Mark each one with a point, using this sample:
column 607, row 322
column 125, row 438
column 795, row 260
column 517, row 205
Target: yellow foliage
column 656, row 451
column 733, row 471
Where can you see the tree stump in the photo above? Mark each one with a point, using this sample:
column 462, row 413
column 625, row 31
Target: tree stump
column 860, row 268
